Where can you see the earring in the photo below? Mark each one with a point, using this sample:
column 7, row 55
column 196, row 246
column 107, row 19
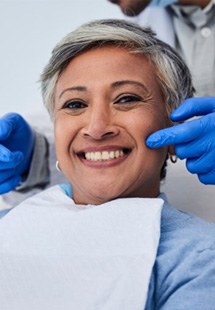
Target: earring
column 57, row 166
column 173, row 158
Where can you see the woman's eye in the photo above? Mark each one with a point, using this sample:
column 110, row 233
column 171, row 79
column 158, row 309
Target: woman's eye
column 128, row 99
column 74, row 105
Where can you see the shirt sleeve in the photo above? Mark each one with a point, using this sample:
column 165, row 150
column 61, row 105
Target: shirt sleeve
column 184, row 275
column 39, row 175
column 192, row 285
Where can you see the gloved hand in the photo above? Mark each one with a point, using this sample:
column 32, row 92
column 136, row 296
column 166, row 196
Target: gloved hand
column 193, row 140
column 16, row 146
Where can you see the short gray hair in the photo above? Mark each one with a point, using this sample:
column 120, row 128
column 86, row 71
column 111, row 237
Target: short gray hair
column 172, row 73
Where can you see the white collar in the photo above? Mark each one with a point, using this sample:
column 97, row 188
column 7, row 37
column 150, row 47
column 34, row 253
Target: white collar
column 209, row 6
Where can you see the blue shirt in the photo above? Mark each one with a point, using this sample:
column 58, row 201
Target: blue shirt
column 184, row 273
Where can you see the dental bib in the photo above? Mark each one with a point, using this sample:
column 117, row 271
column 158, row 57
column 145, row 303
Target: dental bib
column 55, row 254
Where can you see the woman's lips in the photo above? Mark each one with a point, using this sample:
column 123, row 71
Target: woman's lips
column 110, row 156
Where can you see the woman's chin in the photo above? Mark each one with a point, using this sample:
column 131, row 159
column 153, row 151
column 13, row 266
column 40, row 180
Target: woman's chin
column 97, row 196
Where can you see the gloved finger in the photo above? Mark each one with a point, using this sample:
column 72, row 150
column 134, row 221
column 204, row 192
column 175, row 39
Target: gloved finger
column 9, row 184
column 9, row 159
column 195, row 148
column 7, row 174
column 180, row 133
column 5, row 128
column 8, row 123
column 207, row 178
column 12, row 120
column 201, row 165
column 193, row 107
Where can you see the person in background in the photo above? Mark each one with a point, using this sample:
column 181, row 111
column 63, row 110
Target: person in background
column 108, row 238
column 28, row 159
column 187, row 25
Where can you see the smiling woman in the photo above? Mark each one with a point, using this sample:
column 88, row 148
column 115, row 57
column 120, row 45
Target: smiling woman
column 131, row 82
column 101, row 123
column 109, row 233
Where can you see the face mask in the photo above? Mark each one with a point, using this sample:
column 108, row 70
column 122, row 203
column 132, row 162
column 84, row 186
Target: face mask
column 162, row 3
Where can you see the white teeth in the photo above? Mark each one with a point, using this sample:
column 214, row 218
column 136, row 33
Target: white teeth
column 105, row 155
column 112, row 155
column 87, row 156
column 117, row 154
column 97, row 156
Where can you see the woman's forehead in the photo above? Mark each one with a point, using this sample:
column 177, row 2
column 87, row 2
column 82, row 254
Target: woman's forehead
column 104, row 72
column 108, row 61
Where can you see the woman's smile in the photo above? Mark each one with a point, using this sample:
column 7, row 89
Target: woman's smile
column 102, row 157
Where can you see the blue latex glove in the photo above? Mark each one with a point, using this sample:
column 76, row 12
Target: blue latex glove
column 16, row 146
column 193, row 140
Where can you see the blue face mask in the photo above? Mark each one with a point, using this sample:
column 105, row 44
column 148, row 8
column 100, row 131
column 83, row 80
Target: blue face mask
column 162, row 3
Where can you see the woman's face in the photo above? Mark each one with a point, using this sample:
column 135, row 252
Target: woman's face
column 107, row 101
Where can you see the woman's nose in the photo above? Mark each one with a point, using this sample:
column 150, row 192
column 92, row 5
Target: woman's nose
column 100, row 125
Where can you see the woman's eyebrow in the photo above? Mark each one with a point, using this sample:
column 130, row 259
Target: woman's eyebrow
column 128, row 82
column 71, row 89
column 113, row 85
